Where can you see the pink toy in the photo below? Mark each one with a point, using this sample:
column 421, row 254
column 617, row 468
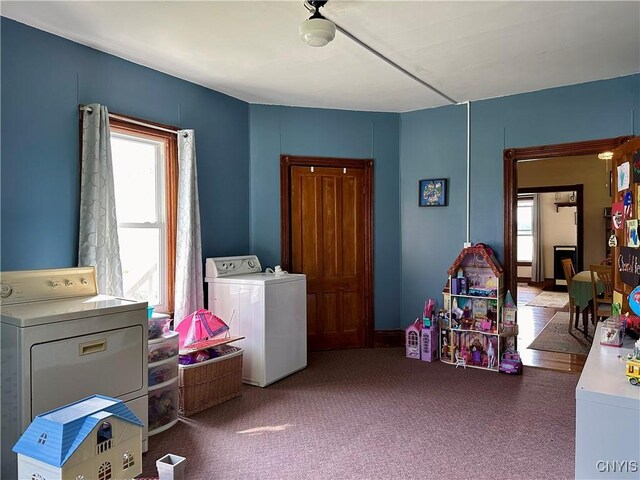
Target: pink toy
column 412, row 339
column 428, row 312
column 429, row 343
column 511, row 362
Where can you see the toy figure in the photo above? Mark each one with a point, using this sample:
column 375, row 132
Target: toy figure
column 476, row 357
column 491, row 354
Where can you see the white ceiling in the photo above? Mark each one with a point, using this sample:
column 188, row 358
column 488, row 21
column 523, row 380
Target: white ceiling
column 251, row 50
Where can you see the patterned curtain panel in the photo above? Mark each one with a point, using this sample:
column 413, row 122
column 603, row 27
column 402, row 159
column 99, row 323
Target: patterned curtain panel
column 189, row 295
column 98, row 242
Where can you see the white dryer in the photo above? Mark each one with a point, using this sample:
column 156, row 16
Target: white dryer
column 61, row 342
column 268, row 309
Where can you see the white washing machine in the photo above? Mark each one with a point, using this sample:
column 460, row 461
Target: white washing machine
column 268, row 309
column 61, row 342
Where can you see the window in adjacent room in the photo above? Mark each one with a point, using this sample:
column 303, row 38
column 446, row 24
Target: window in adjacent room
column 525, row 232
column 145, row 182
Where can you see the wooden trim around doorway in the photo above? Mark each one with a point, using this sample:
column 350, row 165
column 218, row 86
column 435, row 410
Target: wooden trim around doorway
column 288, row 161
column 511, row 157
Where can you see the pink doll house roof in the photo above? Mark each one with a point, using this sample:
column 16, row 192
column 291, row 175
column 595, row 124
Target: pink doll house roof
column 479, row 249
column 417, row 325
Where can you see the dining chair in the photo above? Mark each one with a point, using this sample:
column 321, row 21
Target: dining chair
column 603, row 275
column 569, row 273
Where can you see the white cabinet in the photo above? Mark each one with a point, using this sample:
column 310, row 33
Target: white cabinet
column 607, row 415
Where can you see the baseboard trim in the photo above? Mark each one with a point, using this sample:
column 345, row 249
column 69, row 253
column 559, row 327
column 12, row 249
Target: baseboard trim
column 388, row 338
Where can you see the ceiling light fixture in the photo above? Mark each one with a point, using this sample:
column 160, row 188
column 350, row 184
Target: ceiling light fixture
column 605, row 155
column 317, row 31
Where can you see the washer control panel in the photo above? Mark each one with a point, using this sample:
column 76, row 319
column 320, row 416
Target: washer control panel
column 227, row 266
column 35, row 285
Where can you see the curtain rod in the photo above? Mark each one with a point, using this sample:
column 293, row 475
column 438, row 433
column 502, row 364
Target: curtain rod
column 136, row 121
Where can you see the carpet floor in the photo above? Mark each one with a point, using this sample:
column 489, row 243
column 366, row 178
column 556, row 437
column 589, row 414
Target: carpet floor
column 550, row 300
column 555, row 337
column 374, row 414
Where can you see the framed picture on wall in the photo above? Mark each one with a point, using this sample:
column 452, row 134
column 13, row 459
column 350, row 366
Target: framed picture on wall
column 432, row 192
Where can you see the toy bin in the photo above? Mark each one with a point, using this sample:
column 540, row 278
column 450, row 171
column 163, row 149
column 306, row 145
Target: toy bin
column 203, row 385
column 158, row 325
column 162, row 371
column 163, row 347
column 163, row 406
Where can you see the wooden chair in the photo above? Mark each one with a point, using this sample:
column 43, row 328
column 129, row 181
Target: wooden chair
column 602, row 274
column 569, row 273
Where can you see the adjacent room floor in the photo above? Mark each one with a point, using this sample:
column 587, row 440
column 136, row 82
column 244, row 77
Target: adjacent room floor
column 531, row 321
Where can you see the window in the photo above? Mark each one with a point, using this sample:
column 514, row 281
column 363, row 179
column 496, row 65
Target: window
column 525, row 232
column 43, row 439
column 145, row 182
column 104, row 472
column 127, row 460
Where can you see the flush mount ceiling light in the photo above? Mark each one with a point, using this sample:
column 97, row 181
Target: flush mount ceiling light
column 605, row 155
column 317, row 31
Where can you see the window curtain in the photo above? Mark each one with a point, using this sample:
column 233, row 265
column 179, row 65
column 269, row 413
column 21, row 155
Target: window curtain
column 98, row 237
column 189, row 295
column 537, row 260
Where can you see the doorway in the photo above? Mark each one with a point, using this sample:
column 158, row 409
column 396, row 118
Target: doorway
column 558, row 230
column 327, row 234
column 530, row 327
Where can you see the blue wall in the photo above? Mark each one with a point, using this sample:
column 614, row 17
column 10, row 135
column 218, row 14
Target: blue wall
column 330, row 133
column 433, row 144
column 44, row 78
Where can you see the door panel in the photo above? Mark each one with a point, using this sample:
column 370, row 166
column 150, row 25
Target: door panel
column 327, row 228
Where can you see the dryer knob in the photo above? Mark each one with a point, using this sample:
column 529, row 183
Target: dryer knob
column 5, row 291
column 68, row 283
column 54, row 284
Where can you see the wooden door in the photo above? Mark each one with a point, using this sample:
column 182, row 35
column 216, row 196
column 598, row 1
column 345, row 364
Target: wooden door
column 622, row 256
column 329, row 222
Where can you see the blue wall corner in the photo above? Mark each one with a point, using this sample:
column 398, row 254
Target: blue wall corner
column 433, row 144
column 329, row 133
column 44, row 78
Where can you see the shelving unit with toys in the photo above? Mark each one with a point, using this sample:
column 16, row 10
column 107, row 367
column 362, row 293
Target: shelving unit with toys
column 474, row 332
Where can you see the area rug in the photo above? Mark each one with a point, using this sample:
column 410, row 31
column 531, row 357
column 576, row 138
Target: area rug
column 555, row 337
column 550, row 299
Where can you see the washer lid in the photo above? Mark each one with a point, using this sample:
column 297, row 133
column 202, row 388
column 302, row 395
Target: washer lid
column 39, row 313
column 260, row 278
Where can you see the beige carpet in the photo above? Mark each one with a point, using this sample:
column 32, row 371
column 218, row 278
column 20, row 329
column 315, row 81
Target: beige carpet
column 555, row 337
column 550, row 299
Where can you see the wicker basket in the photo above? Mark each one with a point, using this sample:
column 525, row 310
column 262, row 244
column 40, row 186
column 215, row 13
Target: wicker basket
column 203, row 385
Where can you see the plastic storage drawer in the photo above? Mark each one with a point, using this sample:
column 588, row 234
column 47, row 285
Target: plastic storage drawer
column 163, row 371
column 163, row 347
column 163, row 406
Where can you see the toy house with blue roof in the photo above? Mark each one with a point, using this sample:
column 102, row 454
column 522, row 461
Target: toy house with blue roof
column 94, row 438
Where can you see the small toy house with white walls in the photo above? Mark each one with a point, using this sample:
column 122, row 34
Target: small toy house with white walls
column 95, row 438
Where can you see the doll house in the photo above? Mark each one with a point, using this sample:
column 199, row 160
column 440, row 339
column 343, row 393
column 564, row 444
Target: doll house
column 412, row 339
column 476, row 310
column 97, row 437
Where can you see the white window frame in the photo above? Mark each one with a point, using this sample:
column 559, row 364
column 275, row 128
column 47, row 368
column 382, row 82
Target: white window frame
column 524, row 233
column 160, row 224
